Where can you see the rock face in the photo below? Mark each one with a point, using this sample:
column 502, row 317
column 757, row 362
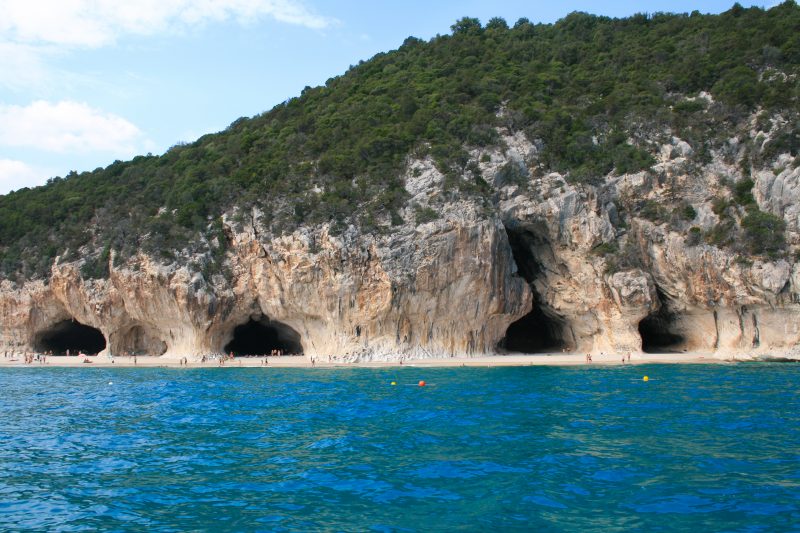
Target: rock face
column 448, row 286
column 550, row 265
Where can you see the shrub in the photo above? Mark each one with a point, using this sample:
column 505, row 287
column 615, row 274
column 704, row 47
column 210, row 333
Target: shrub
column 743, row 192
column 653, row 211
column 425, row 214
column 686, row 212
column 722, row 234
column 764, row 233
column 719, row 206
column 512, row 173
column 606, row 248
column 694, row 237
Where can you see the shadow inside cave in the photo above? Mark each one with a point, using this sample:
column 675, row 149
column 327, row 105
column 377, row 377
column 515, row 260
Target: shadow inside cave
column 658, row 332
column 261, row 337
column 72, row 336
column 541, row 330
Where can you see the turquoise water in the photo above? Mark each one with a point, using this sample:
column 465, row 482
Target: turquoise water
column 580, row 449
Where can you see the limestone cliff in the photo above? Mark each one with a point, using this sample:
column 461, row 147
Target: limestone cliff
column 591, row 185
column 548, row 265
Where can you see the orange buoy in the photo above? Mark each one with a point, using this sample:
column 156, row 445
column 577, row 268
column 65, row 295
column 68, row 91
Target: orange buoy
column 421, row 383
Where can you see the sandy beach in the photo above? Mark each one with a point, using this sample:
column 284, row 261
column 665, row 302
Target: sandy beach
column 304, row 362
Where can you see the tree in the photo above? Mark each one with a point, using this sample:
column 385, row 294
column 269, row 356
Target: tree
column 466, row 26
column 497, row 23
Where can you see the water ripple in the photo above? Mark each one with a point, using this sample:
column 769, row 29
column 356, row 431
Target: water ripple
column 706, row 447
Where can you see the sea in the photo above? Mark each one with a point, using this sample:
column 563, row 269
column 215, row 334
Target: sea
column 693, row 448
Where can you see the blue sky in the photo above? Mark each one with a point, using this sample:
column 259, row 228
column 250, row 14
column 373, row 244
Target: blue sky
column 86, row 82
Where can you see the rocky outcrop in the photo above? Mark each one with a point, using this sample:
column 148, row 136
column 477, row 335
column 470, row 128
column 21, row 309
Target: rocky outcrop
column 579, row 264
column 448, row 286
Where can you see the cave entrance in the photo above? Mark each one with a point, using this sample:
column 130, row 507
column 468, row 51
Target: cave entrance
column 534, row 333
column 541, row 330
column 138, row 340
column 73, row 336
column 262, row 336
column 658, row 333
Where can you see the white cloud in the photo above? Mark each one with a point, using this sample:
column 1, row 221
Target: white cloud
column 95, row 23
column 32, row 32
column 16, row 175
column 22, row 65
column 67, row 127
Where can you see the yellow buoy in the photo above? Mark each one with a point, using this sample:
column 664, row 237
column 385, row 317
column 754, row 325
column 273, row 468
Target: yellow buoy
column 394, row 383
column 645, row 378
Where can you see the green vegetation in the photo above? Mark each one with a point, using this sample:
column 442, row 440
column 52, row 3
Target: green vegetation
column 694, row 237
column 764, row 233
column 589, row 89
column 425, row 214
column 687, row 212
column 654, row 211
column 743, row 192
column 512, row 173
column 605, row 248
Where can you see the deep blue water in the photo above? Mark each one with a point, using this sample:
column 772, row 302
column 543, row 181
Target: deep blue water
column 708, row 448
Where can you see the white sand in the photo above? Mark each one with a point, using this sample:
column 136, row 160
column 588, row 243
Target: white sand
column 303, row 362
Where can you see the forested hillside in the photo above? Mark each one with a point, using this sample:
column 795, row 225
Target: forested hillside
column 589, row 91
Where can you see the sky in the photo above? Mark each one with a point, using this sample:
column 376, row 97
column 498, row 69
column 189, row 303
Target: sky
column 86, row 82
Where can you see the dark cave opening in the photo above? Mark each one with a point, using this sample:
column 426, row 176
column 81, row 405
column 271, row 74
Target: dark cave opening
column 541, row 330
column 71, row 336
column 524, row 246
column 262, row 337
column 657, row 331
column 534, row 333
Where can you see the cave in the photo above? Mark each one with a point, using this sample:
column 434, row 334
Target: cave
column 262, row 336
column 534, row 333
column 138, row 340
column 70, row 335
column 541, row 330
column 658, row 331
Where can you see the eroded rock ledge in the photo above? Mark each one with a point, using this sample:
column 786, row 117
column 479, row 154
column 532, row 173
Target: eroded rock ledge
column 524, row 275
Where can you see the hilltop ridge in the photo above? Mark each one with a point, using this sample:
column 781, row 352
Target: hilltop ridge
column 589, row 90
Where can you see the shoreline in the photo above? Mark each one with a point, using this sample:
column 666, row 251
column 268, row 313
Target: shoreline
column 287, row 361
